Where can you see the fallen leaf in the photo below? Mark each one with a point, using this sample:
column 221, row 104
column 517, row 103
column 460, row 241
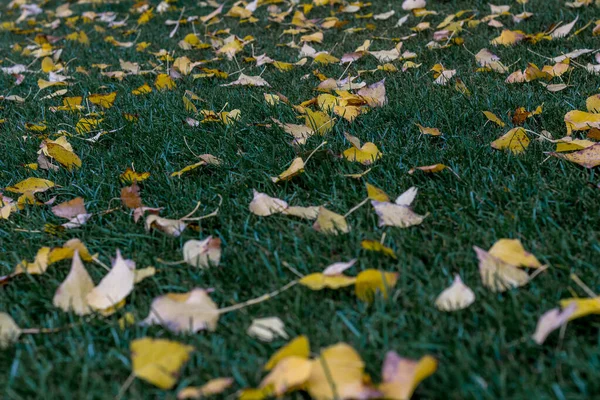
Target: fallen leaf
column 552, row 320
column 158, row 361
column 330, row 223
column 115, row 286
column 267, row 329
column 184, row 312
column 456, row 297
column 9, row 330
column 371, row 281
column 515, row 140
column 497, row 275
column 297, row 347
column 202, row 253
column 72, row 294
column 264, row 205
column 401, row 376
column 210, row 388
column 511, row 251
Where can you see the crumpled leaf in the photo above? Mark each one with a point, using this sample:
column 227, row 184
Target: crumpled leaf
column 330, row 223
column 267, row 329
column 202, row 253
column 172, row 227
column 245, row 80
column 184, row 312
column 158, row 361
column 456, row 297
column 581, row 121
column 264, row 205
column 210, row 388
column 9, row 330
column 338, row 267
column 391, row 214
column 115, row 286
column 71, row 295
column 497, row 275
column 401, row 376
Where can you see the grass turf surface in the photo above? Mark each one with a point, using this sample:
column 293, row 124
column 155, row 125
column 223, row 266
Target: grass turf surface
column 549, row 205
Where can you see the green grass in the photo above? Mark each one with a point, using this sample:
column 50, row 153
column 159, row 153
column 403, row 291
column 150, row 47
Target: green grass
column 483, row 351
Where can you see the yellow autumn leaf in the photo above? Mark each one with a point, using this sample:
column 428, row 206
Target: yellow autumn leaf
column 115, row 286
column 297, row 347
column 289, row 374
column 584, row 307
column 581, row 121
column 366, row 154
column 497, row 275
column 31, row 185
column 401, row 376
column 158, row 361
column 511, row 251
column 374, row 245
column 515, row 140
column 104, row 100
column 337, row 374
column 492, row 117
column 319, row 121
column 62, row 155
column 130, row 176
column 144, row 89
column 319, row 281
column 588, row 157
column 330, row 223
column 296, row 168
column 429, row 131
column 371, row 281
column 210, row 388
column 164, row 82
column 374, row 193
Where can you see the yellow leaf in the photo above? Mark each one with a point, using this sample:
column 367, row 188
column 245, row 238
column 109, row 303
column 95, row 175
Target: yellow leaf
column 399, row 215
column 319, row 281
column 85, row 125
column 581, row 121
column 289, row 374
column 497, row 275
column 104, row 100
column 584, row 307
column 130, row 176
column 401, row 376
column 337, row 374
column 430, row 169
column 38, row 266
column 31, row 185
column 164, row 82
column 210, row 388
column 144, row 89
column 508, row 38
column 188, row 168
column 318, row 121
column 374, row 245
column 370, row 281
column 158, row 361
column 365, row 154
column 297, row 347
column 515, row 140
column 115, row 286
column 375, row 193
column 184, row 312
column 296, row 168
column 511, row 251
column 588, row 157
column 330, row 223
column 429, row 131
column 264, row 205
column 492, row 117
column 592, row 103
column 63, row 156
column 71, row 294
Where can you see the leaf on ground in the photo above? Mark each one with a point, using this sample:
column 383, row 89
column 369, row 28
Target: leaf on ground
column 456, row 297
column 267, row 329
column 401, row 376
column 9, row 330
column 172, row 227
column 366, row 154
column 288, row 375
column 512, row 252
column 210, row 388
column 330, row 223
column 296, row 168
column 184, row 312
column 264, row 205
column 552, row 320
column 72, row 294
column 372, row 281
column 158, row 361
column 297, row 347
column 115, row 286
column 515, row 140
column 202, row 253
column 391, row 214
column 31, row 185
column 497, row 275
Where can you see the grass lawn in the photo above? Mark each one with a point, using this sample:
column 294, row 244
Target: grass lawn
column 484, row 351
